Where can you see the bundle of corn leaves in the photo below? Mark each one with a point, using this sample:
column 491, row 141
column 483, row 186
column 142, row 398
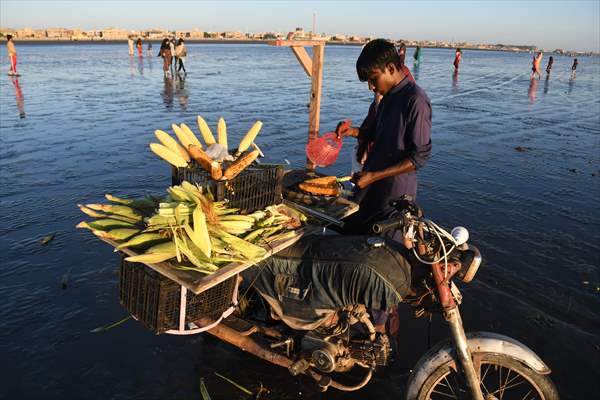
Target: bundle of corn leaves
column 189, row 229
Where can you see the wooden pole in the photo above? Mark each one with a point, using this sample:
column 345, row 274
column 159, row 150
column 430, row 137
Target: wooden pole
column 314, row 110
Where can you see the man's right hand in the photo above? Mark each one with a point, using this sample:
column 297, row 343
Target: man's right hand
column 345, row 129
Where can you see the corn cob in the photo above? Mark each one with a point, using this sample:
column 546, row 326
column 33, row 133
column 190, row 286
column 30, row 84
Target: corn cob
column 117, row 234
column 105, row 224
column 172, row 144
column 155, row 254
column 250, row 251
column 152, row 258
column 236, row 227
column 181, row 135
column 254, row 234
column 194, row 255
column 222, row 133
column 323, row 180
column 240, row 164
column 144, row 205
column 101, row 215
column 169, row 156
column 320, row 190
column 200, row 234
column 143, row 240
column 205, row 131
column 206, row 162
column 117, row 209
column 281, row 236
column 249, row 137
column 190, row 135
column 245, row 218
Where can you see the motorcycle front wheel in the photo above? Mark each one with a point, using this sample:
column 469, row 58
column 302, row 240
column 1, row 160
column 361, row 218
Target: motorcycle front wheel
column 501, row 378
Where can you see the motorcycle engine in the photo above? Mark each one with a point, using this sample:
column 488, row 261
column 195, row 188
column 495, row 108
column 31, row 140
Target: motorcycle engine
column 330, row 353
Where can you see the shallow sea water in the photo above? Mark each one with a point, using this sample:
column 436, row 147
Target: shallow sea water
column 514, row 161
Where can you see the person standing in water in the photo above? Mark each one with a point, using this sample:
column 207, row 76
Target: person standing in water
column 12, row 55
column 417, row 55
column 180, row 54
column 165, row 53
column 149, row 48
column 574, row 68
column 130, row 44
column 549, row 66
column 535, row 68
column 140, row 49
column 457, row 58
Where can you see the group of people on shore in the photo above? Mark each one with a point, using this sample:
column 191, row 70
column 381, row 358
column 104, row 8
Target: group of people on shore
column 537, row 61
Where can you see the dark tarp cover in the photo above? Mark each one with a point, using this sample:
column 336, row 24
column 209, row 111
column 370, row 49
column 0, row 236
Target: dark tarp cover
column 321, row 273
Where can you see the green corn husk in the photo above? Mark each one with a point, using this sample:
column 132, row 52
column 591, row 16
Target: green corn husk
column 118, row 209
column 143, row 240
column 250, row 251
column 105, row 224
column 119, row 233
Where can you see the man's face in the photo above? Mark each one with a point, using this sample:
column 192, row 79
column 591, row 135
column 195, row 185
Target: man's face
column 381, row 81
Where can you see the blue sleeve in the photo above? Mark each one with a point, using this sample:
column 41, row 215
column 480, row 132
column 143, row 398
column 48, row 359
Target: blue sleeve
column 418, row 132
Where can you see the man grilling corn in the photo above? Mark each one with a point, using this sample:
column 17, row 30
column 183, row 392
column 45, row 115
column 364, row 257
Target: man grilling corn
column 398, row 136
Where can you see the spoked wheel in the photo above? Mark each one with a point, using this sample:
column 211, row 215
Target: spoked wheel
column 501, row 378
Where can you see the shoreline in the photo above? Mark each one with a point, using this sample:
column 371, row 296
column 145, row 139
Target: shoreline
column 230, row 41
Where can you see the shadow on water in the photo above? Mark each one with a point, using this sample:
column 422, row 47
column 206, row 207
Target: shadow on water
column 18, row 96
column 532, row 91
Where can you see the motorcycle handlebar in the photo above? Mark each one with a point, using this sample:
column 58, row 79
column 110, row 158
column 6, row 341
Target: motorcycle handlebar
column 386, row 225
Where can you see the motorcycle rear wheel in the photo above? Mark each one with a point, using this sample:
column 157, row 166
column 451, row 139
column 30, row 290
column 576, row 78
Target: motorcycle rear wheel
column 501, row 378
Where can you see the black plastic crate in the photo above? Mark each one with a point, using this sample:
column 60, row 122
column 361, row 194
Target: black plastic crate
column 154, row 299
column 253, row 189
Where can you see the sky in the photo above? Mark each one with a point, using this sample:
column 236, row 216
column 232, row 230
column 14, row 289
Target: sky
column 570, row 25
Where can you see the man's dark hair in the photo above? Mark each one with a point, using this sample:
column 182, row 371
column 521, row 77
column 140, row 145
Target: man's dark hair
column 378, row 54
column 8, row 37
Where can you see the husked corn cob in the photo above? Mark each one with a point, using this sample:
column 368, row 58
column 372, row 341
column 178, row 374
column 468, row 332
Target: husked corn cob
column 249, row 137
column 181, row 135
column 105, row 224
column 205, row 131
column 222, row 133
column 172, row 144
column 210, row 165
column 190, row 135
column 247, row 249
column 143, row 204
column 240, row 164
column 201, row 237
column 169, row 156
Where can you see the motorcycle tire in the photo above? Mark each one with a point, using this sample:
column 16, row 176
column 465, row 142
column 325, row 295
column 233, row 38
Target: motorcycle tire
column 500, row 374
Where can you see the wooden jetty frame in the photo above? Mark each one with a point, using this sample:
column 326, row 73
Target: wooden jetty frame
column 314, row 69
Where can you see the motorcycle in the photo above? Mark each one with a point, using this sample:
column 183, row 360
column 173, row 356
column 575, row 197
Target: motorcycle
column 316, row 309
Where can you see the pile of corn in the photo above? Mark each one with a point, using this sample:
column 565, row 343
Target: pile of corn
column 189, row 229
column 221, row 165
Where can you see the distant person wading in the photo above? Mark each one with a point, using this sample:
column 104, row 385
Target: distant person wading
column 549, row 67
column 181, row 54
column 457, row 58
column 537, row 61
column 165, row 53
column 12, row 55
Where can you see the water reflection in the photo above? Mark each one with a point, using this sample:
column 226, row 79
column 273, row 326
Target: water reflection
column 181, row 91
column 571, row 84
column 18, row 96
column 455, row 81
column 131, row 66
column 416, row 70
column 167, row 93
column 532, row 92
column 546, row 84
column 141, row 65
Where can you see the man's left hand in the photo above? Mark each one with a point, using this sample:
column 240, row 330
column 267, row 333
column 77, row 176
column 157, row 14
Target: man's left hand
column 363, row 179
